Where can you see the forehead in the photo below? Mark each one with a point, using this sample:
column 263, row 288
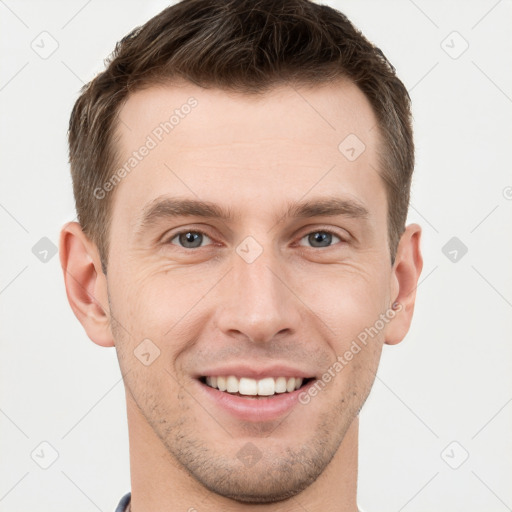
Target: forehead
column 247, row 150
column 305, row 112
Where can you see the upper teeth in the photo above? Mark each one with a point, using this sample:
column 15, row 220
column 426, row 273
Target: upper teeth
column 264, row 387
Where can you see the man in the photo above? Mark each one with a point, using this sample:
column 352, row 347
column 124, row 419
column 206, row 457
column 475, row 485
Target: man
column 241, row 173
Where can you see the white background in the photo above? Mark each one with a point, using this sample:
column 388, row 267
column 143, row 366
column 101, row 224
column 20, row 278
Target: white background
column 450, row 380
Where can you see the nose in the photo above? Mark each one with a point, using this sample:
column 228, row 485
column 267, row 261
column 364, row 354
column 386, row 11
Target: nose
column 257, row 301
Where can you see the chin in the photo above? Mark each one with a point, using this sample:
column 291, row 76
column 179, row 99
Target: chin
column 259, row 489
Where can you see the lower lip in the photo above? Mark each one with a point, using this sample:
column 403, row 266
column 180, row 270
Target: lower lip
column 255, row 409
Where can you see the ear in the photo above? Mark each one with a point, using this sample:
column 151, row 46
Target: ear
column 406, row 272
column 86, row 285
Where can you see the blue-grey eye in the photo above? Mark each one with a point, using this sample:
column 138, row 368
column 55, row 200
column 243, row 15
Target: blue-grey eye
column 321, row 239
column 190, row 239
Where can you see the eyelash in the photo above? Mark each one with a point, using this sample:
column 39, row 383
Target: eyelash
column 198, row 231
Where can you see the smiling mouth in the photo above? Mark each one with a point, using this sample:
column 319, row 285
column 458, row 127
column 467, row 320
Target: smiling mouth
column 255, row 388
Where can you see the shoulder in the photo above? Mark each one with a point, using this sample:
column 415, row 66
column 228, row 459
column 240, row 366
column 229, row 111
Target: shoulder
column 125, row 501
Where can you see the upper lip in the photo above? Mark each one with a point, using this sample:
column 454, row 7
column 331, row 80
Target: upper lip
column 255, row 372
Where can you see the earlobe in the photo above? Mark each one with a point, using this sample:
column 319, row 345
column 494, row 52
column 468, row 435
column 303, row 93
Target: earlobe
column 406, row 272
column 86, row 285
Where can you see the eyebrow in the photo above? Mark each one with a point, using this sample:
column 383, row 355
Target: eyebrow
column 167, row 207
column 328, row 207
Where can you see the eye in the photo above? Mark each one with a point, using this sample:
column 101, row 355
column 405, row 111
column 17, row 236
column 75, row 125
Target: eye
column 319, row 239
column 190, row 239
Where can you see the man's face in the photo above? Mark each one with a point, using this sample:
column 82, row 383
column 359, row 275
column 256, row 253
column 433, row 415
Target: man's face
column 278, row 287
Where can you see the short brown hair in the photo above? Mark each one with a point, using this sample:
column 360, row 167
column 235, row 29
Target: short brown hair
column 246, row 46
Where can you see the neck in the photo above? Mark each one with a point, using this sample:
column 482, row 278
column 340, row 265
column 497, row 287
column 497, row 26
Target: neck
column 160, row 483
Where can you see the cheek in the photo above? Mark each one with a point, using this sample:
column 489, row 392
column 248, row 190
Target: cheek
column 145, row 357
column 347, row 300
column 148, row 293
column 163, row 307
